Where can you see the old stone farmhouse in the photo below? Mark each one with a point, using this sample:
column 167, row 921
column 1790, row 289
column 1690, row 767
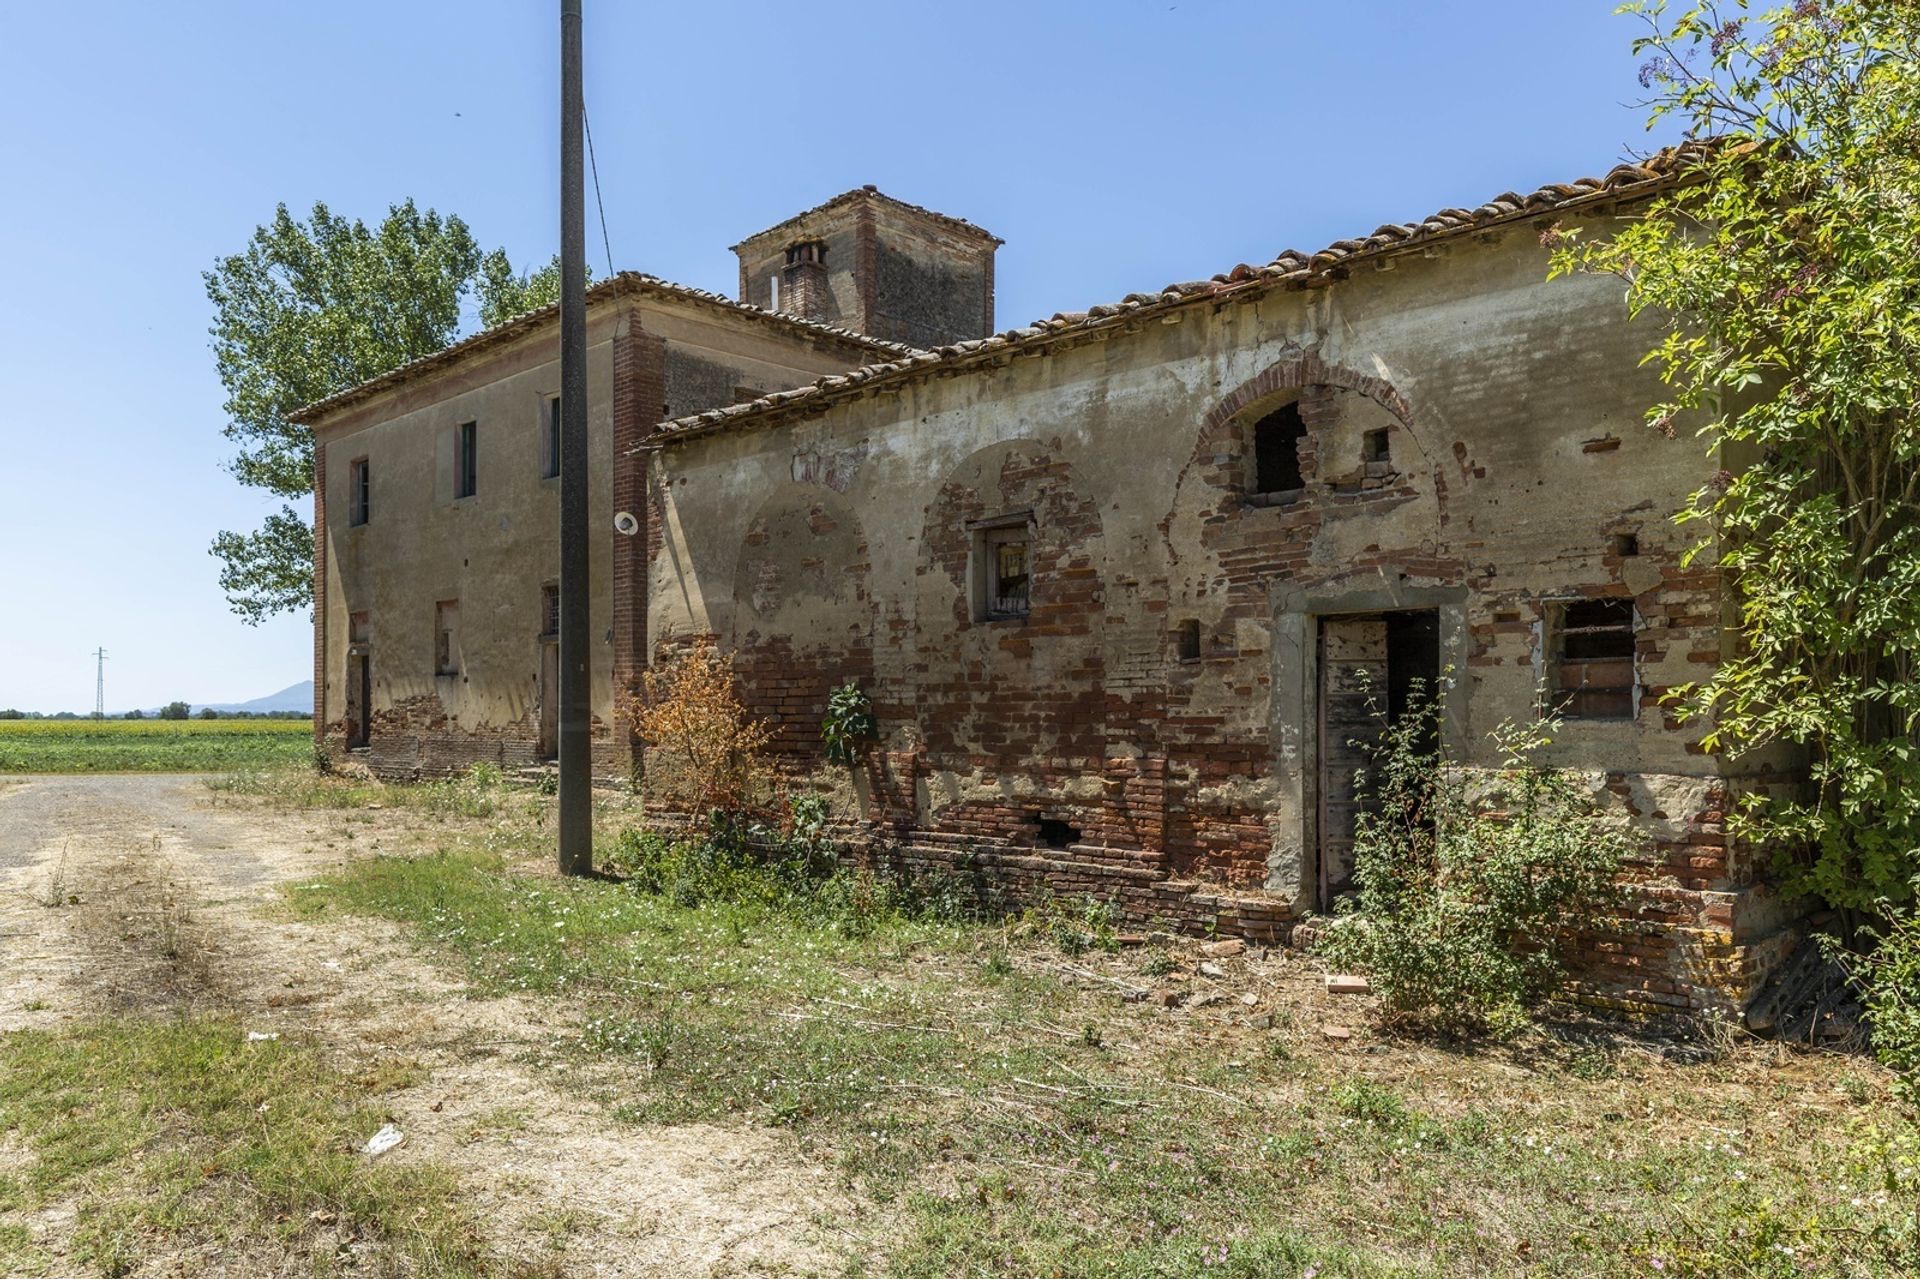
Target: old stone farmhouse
column 1116, row 583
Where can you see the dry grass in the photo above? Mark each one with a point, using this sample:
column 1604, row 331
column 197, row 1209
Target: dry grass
column 1003, row 1107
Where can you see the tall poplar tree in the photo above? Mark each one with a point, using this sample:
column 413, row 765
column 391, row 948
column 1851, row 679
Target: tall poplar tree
column 308, row 309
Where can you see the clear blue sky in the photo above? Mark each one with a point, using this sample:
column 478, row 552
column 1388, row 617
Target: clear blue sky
column 1115, row 145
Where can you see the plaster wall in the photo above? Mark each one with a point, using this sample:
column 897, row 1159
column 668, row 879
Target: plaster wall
column 1518, row 456
column 493, row 551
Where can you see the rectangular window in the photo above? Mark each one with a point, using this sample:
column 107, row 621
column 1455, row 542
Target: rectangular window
column 550, row 438
column 1593, row 659
column 1003, row 569
column 357, row 491
column 446, row 637
column 466, row 460
column 549, row 611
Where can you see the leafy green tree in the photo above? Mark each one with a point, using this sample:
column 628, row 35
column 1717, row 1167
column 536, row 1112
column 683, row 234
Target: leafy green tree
column 135, row 714
column 1787, row 276
column 207, row 712
column 504, row 295
column 174, row 710
column 307, row 310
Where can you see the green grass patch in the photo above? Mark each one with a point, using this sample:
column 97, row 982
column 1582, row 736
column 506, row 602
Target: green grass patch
column 481, row 792
column 1026, row 1125
column 183, row 1133
column 151, row 746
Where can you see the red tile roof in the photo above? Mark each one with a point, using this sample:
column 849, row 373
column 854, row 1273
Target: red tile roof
column 1291, row 268
column 624, row 284
column 871, row 192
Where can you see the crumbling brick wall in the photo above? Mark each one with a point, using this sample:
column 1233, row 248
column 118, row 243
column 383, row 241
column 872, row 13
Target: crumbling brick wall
column 1147, row 732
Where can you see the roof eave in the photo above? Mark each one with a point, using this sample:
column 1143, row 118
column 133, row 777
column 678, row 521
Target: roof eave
column 615, row 287
column 1243, row 282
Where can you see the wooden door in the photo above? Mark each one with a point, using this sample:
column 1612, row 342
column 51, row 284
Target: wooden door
column 1353, row 683
column 549, row 699
column 359, row 698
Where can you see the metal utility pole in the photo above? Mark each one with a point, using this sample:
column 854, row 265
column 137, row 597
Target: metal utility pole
column 576, row 773
column 100, row 684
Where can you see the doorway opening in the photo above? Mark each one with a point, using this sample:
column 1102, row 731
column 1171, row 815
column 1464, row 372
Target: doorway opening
column 548, row 747
column 359, row 699
column 1371, row 665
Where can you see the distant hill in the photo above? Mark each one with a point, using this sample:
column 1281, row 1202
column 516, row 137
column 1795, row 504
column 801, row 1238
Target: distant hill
column 294, row 697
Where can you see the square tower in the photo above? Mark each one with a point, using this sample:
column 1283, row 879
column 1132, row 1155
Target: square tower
column 876, row 265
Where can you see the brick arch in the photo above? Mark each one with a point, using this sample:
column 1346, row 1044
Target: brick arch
column 1222, row 430
column 801, row 571
column 1297, row 368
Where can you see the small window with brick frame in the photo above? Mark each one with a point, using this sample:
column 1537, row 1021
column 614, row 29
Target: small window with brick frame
column 358, row 487
column 446, row 637
column 1593, row 659
column 1276, row 452
column 549, row 610
column 1002, row 567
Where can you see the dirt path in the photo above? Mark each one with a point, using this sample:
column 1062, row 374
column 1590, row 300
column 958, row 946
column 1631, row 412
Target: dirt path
column 131, row 893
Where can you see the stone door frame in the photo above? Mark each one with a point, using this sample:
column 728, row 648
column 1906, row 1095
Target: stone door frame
column 1293, row 866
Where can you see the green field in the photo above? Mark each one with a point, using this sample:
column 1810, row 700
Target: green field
column 150, row 745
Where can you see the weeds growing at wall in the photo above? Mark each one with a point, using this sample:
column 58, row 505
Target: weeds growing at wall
column 791, row 867
column 848, row 724
column 704, row 746
column 1471, row 883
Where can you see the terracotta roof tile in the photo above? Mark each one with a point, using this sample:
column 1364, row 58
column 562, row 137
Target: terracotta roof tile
column 871, row 192
column 624, row 284
column 1290, row 267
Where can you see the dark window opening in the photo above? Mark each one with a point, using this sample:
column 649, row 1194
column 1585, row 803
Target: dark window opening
column 1376, row 446
column 358, row 492
column 466, row 461
column 549, row 610
column 1055, row 833
column 1186, row 640
column 1002, row 552
column 1594, row 660
column 1625, row 545
column 806, row 251
column 550, row 438
column 1276, row 450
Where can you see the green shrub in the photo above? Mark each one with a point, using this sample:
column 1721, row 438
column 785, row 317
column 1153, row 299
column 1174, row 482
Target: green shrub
column 1075, row 924
column 1891, row 974
column 795, row 868
column 1471, row 882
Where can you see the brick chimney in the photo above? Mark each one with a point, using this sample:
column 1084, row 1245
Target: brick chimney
column 803, row 281
column 868, row 262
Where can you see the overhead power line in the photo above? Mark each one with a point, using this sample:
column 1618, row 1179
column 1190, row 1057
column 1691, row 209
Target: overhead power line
column 594, row 164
